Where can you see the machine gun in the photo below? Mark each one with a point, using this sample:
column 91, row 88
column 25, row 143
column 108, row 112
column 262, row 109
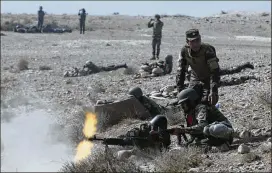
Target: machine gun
column 142, row 139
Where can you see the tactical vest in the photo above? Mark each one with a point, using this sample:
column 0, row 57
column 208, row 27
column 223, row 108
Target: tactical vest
column 198, row 61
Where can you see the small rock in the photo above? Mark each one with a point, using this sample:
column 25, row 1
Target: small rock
column 266, row 147
column 124, row 154
column 240, row 164
column 258, row 163
column 194, row 170
column 245, row 134
column 108, row 44
column 257, row 131
column 269, row 139
column 242, row 149
column 144, row 74
column 169, row 89
column 256, row 118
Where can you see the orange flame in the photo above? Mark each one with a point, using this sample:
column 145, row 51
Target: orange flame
column 89, row 130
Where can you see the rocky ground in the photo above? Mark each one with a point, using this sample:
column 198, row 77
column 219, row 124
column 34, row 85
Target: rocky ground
column 237, row 37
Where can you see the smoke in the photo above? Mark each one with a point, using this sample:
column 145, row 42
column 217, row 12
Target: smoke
column 28, row 141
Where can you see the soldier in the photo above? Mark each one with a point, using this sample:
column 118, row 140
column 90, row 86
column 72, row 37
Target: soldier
column 202, row 59
column 157, row 68
column 157, row 25
column 153, row 108
column 205, row 123
column 91, row 68
column 41, row 14
column 82, row 13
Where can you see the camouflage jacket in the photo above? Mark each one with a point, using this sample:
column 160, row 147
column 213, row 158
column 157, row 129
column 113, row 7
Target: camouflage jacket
column 202, row 116
column 41, row 14
column 157, row 28
column 204, row 65
column 153, row 108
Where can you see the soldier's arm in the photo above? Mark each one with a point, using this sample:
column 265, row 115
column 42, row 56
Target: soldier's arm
column 150, row 24
column 201, row 116
column 213, row 64
column 182, row 68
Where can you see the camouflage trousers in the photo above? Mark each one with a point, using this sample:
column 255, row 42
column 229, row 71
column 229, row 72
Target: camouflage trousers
column 40, row 24
column 113, row 67
column 202, row 87
column 156, row 44
column 219, row 133
column 82, row 27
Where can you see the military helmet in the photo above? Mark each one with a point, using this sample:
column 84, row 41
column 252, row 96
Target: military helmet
column 157, row 16
column 136, row 92
column 159, row 121
column 89, row 62
column 187, row 94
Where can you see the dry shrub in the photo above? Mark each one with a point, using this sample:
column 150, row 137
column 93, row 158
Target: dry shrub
column 23, row 64
column 178, row 160
column 44, row 67
column 102, row 161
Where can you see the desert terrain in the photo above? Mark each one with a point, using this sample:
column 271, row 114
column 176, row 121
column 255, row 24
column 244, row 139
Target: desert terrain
column 42, row 112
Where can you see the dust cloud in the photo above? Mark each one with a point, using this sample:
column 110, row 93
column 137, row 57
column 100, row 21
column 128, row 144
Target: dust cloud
column 27, row 143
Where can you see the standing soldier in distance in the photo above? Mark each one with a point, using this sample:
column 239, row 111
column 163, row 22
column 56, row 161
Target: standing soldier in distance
column 41, row 14
column 202, row 59
column 157, row 25
column 82, row 13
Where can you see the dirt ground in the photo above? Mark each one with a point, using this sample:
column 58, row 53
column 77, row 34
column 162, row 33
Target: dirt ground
column 118, row 39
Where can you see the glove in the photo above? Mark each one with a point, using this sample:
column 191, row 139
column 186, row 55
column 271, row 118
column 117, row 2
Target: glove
column 213, row 98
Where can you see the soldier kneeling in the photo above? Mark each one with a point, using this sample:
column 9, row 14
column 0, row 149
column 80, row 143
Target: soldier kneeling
column 205, row 123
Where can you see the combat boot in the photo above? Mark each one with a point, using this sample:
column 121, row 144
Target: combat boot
column 153, row 57
column 157, row 57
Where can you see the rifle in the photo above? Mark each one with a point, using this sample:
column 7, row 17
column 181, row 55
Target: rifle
column 141, row 142
column 161, row 137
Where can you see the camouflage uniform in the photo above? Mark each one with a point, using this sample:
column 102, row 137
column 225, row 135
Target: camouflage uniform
column 157, row 25
column 41, row 14
column 152, row 107
column 204, row 67
column 82, row 20
column 156, row 68
column 207, row 121
column 91, row 68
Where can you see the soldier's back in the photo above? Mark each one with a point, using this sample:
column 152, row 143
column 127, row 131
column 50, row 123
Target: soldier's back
column 157, row 29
